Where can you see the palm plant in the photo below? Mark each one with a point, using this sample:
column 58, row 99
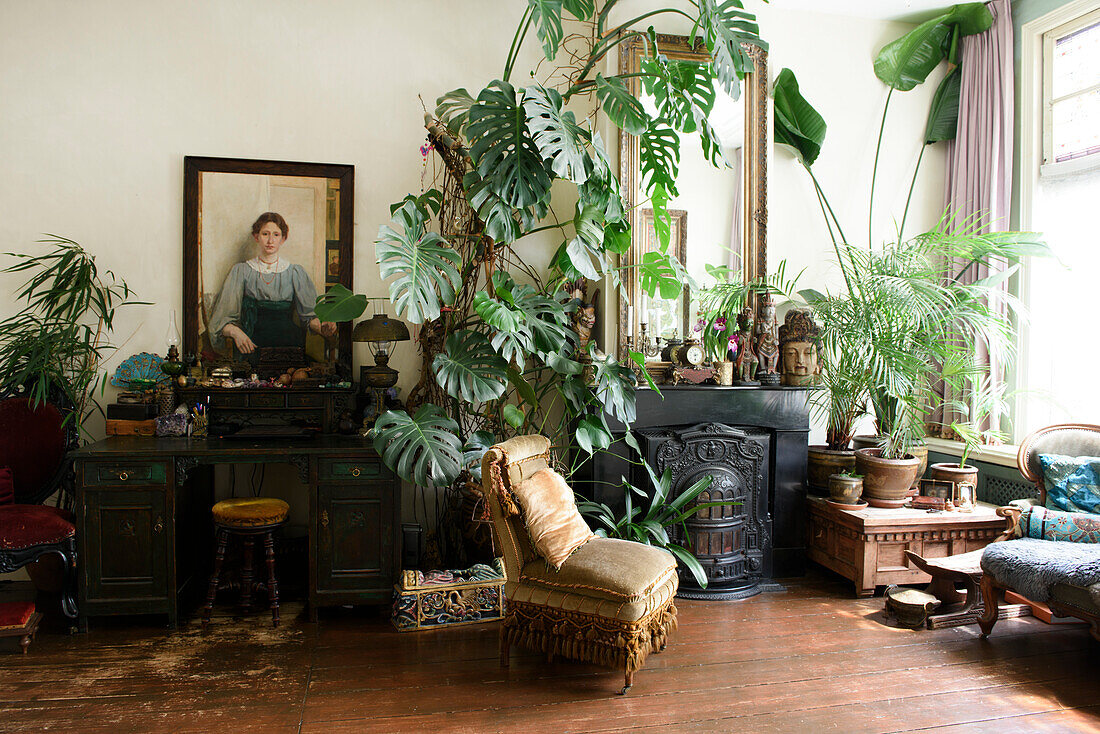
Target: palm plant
column 499, row 354
column 906, row 318
column 54, row 346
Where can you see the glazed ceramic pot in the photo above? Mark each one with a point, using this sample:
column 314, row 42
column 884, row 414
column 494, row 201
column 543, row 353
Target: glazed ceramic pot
column 886, row 482
column 921, row 452
column 821, row 463
column 954, row 473
column 845, row 489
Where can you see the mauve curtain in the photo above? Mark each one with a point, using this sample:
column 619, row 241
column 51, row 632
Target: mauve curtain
column 979, row 159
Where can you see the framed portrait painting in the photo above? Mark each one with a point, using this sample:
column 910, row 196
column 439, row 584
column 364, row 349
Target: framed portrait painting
column 261, row 240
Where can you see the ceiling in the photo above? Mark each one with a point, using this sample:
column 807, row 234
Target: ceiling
column 912, row 11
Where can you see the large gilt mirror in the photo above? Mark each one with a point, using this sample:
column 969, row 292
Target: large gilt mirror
column 725, row 207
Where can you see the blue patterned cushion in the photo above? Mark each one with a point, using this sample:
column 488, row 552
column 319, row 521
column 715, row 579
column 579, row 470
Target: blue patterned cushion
column 1072, row 482
column 1044, row 524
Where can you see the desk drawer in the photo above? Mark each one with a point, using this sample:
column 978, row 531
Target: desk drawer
column 222, row 400
column 294, row 400
column 277, row 400
column 351, row 469
column 124, row 472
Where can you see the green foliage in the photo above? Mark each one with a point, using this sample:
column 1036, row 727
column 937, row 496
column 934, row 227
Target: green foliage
column 469, row 368
column 797, row 124
column 558, row 136
column 340, row 304
column 907, row 61
column 425, row 266
column 622, row 107
column 423, row 448
column 453, row 108
column 943, row 116
column 58, row 340
column 727, row 26
column 651, row 523
column 547, row 18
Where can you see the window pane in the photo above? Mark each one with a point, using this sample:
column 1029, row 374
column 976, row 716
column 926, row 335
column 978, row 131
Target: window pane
column 1077, row 61
column 1077, row 126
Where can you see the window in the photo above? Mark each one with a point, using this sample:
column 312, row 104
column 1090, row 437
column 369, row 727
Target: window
column 1059, row 195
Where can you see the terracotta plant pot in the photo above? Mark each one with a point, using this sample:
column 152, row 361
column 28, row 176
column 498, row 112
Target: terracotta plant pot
column 821, row 463
column 886, row 482
column 954, row 473
column 845, row 489
column 921, row 452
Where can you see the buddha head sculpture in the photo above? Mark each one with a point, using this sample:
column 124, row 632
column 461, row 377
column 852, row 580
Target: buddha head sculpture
column 800, row 348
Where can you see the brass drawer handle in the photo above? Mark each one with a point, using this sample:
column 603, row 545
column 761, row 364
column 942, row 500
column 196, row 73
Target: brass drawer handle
column 355, row 472
column 324, row 518
column 158, row 525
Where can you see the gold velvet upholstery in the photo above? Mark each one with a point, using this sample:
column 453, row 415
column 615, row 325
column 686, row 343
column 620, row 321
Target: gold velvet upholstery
column 610, row 603
column 550, row 512
column 250, row 512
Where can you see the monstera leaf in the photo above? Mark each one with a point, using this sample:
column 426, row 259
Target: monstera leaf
column 727, row 26
column 426, row 268
column 469, row 369
column 615, row 388
column 547, row 320
column 422, row 448
column 497, row 217
column 558, row 136
column 453, row 108
column 683, row 90
column 503, row 149
column 797, row 124
column 592, row 434
column 659, row 151
column 622, row 107
column 546, row 15
column 907, row 61
column 474, row 449
column 511, row 338
column 586, row 246
column 658, row 274
column 581, row 9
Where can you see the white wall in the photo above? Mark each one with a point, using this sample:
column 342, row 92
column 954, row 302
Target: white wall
column 101, row 102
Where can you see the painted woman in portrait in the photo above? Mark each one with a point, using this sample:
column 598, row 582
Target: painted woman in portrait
column 266, row 301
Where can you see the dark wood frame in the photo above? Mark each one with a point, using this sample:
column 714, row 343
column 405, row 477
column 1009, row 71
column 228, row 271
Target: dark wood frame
column 193, row 166
column 754, row 167
column 679, row 248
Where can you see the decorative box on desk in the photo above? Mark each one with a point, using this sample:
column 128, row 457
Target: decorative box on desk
column 867, row 546
column 312, row 407
column 445, row 598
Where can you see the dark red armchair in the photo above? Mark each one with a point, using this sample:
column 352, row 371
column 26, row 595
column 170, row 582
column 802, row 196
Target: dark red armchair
column 34, row 446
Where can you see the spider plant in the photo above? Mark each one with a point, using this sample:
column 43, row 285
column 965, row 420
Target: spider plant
column 651, row 523
column 55, row 345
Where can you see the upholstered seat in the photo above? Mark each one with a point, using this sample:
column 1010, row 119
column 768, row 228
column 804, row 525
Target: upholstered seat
column 249, row 512
column 609, row 603
column 24, row 526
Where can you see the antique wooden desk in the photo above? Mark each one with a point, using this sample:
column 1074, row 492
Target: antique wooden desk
column 867, row 546
column 145, row 535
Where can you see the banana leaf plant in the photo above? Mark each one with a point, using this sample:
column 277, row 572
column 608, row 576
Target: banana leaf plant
column 500, row 352
column 906, row 320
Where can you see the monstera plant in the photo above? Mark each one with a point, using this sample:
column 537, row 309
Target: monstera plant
column 501, row 354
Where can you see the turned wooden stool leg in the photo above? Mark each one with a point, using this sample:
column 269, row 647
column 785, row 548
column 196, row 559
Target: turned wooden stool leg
column 246, row 573
column 212, row 590
column 505, row 648
column 629, row 683
column 272, row 583
column 25, row 643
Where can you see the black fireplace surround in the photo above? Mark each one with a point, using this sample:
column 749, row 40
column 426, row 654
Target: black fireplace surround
column 752, row 442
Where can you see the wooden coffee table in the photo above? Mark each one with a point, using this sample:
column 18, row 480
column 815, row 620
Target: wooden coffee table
column 867, row 546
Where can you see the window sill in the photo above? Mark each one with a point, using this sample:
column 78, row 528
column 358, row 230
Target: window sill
column 1001, row 455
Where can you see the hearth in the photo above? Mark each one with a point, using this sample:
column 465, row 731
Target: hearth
column 732, row 542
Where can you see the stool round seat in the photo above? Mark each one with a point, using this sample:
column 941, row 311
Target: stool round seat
column 250, row 512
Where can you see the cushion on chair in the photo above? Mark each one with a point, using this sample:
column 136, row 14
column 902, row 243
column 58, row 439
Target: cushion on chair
column 32, row 444
column 7, row 488
column 22, row 526
column 247, row 512
column 15, row 614
column 1072, row 482
column 619, row 579
column 1032, row 566
column 551, row 517
column 1073, row 527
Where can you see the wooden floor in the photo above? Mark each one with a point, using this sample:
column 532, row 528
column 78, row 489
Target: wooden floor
column 808, row 659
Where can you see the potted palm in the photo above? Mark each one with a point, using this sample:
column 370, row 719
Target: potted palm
column 905, row 312
column 973, row 429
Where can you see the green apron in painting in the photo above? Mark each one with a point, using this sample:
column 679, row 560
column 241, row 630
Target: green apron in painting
column 270, row 323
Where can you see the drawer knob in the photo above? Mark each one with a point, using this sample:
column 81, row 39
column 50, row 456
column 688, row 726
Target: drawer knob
column 355, row 472
column 123, row 476
column 324, row 518
column 158, row 526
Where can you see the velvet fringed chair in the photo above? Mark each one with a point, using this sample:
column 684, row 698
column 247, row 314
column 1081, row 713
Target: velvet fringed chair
column 609, row 602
